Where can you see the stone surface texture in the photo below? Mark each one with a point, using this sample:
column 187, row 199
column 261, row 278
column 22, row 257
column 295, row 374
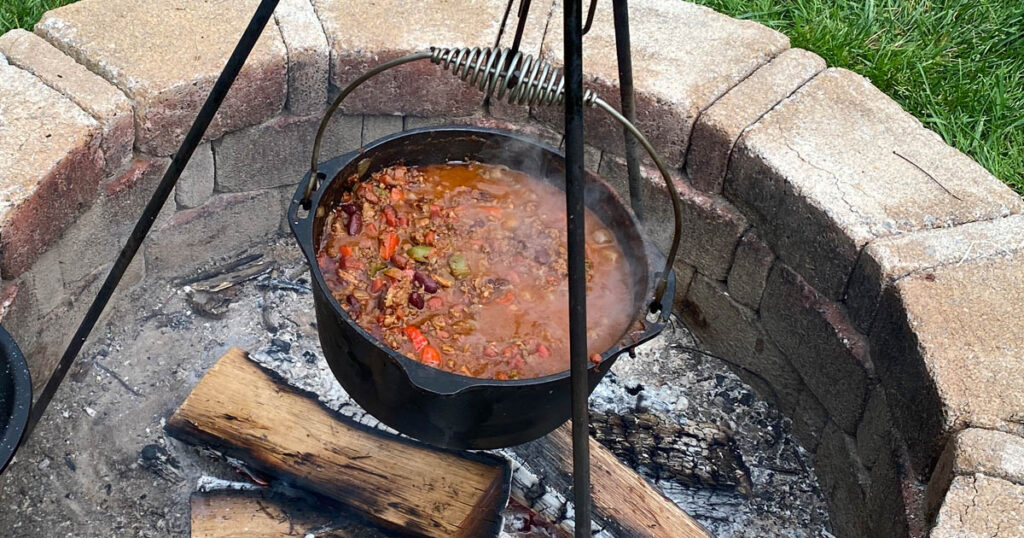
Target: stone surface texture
column 165, row 56
column 894, row 497
column 839, row 164
column 688, row 57
column 843, row 480
column 750, row 269
column 50, row 166
column 195, row 185
column 974, row 450
column 375, row 127
column 874, row 433
column 817, row 337
column 277, row 152
column 889, row 259
column 223, row 226
column 380, row 31
column 981, row 506
column 105, row 226
column 711, row 226
column 308, row 56
column 732, row 332
column 719, row 126
column 946, row 344
column 105, row 103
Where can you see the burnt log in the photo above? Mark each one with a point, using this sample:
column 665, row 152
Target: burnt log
column 623, row 502
column 696, row 454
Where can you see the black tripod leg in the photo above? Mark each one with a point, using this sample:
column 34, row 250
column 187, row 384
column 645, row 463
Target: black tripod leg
column 625, row 62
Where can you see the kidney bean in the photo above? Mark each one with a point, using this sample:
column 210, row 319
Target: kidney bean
column 355, row 224
column 400, row 260
column 349, row 209
column 416, row 300
column 429, row 284
column 354, row 308
column 542, row 256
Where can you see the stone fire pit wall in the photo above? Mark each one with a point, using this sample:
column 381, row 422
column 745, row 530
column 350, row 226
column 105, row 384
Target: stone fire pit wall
column 847, row 263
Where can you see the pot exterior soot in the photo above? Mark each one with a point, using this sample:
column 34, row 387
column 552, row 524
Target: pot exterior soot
column 15, row 397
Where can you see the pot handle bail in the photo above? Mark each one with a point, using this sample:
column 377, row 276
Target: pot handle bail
column 493, row 70
column 317, row 177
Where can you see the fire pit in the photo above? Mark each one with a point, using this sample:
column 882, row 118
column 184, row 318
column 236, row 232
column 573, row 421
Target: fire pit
column 790, row 269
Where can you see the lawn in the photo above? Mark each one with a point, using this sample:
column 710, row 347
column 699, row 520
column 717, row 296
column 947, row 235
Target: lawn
column 958, row 65
column 25, row 13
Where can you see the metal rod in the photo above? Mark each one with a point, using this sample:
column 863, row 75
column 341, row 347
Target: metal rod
column 574, row 196
column 192, row 139
column 620, row 9
column 314, row 159
column 590, row 17
column 524, row 13
column 673, row 192
column 497, row 43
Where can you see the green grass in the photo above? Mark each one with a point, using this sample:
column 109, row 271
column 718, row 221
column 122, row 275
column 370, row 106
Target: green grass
column 25, row 13
column 958, row 65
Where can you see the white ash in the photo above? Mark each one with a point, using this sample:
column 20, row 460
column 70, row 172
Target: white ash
column 207, row 483
column 160, row 348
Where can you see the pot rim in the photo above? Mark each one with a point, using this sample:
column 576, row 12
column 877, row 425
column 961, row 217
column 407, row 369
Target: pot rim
column 427, row 377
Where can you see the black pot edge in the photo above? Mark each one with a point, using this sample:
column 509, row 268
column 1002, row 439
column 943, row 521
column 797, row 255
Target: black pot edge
column 22, row 403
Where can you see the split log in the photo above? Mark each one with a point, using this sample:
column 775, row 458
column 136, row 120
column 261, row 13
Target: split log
column 242, row 411
column 622, row 500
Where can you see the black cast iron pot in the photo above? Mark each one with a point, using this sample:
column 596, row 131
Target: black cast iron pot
column 15, row 397
column 432, row 405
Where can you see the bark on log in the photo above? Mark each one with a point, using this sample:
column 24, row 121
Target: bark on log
column 623, row 501
column 245, row 413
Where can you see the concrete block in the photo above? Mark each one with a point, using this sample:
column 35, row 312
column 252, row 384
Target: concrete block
column 719, row 126
column 166, row 77
column 277, row 152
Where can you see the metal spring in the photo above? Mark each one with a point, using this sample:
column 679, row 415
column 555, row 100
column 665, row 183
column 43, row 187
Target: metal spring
column 519, row 79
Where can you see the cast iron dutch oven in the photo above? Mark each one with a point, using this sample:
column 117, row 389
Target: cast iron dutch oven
column 434, row 406
column 15, row 397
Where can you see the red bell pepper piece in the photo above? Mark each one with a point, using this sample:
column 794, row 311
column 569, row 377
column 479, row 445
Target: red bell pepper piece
column 430, row 356
column 419, row 342
column 388, row 244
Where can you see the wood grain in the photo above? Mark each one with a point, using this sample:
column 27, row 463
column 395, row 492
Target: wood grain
column 253, row 514
column 622, row 499
column 244, row 412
